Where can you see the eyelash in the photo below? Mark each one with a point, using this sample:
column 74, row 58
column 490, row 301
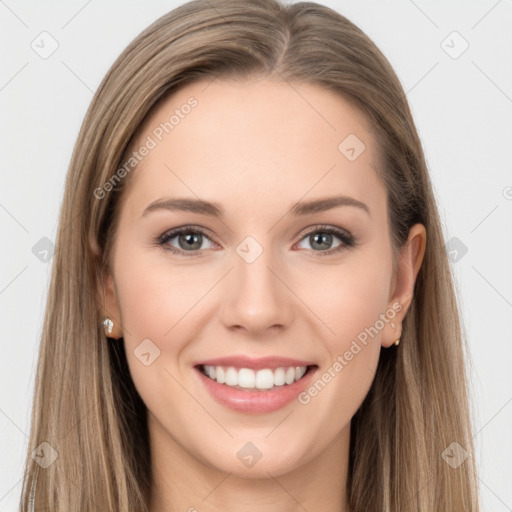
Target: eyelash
column 347, row 239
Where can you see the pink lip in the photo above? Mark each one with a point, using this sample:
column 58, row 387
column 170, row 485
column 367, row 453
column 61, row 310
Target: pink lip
column 256, row 401
column 253, row 363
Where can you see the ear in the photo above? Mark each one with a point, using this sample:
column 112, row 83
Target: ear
column 409, row 264
column 106, row 297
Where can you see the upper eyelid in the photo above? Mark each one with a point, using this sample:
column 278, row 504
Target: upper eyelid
column 171, row 233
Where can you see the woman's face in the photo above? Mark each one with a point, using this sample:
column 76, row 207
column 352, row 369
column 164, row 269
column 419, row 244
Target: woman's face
column 286, row 254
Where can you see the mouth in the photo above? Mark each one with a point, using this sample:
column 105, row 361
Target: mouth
column 249, row 379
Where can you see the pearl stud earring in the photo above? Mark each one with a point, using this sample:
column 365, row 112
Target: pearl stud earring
column 108, row 326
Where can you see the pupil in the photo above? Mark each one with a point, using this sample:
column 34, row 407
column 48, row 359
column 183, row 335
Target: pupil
column 323, row 238
column 189, row 240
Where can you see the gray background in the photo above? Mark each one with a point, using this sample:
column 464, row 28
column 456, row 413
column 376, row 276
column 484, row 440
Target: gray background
column 462, row 105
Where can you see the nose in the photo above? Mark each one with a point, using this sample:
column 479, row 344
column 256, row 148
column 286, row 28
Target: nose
column 258, row 299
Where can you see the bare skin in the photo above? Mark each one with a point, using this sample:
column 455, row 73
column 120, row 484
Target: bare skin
column 256, row 148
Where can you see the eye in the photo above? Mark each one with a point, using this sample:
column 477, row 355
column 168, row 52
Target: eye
column 321, row 239
column 189, row 240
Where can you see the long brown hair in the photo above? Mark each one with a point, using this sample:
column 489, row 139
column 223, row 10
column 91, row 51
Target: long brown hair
column 85, row 404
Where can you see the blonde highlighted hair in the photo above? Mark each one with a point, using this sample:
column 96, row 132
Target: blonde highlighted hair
column 85, row 404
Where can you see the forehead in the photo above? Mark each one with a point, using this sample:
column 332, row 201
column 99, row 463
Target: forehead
column 258, row 138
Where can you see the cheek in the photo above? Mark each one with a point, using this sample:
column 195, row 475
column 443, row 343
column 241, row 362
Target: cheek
column 350, row 298
column 351, row 306
column 160, row 302
column 350, row 301
column 156, row 295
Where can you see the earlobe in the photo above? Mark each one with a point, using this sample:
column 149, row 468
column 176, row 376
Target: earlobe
column 110, row 307
column 106, row 295
column 95, row 248
column 409, row 264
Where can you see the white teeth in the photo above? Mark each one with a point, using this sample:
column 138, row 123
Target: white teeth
column 254, row 379
column 279, row 377
column 231, row 377
column 246, row 378
column 264, row 379
column 221, row 374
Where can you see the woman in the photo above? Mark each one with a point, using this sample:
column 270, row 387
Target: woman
column 203, row 349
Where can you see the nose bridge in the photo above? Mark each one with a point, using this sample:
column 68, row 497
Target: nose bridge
column 256, row 297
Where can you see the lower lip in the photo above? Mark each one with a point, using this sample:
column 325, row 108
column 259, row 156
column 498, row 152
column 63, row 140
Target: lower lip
column 256, row 401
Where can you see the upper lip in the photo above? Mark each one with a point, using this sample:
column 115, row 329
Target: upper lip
column 241, row 361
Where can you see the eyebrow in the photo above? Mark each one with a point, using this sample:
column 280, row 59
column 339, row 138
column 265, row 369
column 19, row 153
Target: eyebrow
column 216, row 210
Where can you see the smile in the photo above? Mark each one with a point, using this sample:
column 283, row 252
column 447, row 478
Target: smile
column 267, row 390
